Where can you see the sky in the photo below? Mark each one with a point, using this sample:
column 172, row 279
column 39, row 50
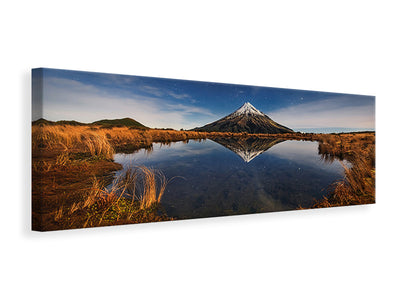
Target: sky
column 170, row 103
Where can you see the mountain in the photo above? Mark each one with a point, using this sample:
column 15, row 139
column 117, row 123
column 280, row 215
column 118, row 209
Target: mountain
column 247, row 148
column 43, row 121
column 128, row 122
column 245, row 119
column 120, row 122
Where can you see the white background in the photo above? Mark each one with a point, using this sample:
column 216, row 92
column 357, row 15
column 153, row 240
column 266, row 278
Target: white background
column 337, row 46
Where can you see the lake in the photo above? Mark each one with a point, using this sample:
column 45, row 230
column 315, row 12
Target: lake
column 237, row 176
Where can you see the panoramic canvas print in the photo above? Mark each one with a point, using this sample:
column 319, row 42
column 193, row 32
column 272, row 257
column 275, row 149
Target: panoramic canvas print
column 113, row 149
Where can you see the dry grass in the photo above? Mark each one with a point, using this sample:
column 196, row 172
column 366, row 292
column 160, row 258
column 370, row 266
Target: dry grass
column 346, row 145
column 71, row 138
column 133, row 197
column 71, row 168
column 99, row 141
column 136, row 190
column 358, row 186
column 125, row 139
column 151, row 195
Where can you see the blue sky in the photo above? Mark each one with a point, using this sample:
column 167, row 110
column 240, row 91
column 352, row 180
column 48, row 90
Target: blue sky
column 156, row 102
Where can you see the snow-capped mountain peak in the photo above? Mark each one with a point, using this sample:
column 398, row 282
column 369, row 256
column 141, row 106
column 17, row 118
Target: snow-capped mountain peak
column 247, row 109
column 245, row 119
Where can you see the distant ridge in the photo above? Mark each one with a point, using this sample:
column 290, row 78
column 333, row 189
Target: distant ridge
column 248, row 119
column 128, row 122
column 335, row 130
column 42, row 121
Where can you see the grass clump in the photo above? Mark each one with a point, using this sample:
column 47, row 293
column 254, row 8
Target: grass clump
column 136, row 192
column 133, row 197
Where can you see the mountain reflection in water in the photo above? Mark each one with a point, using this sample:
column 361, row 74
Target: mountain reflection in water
column 237, row 176
column 247, row 148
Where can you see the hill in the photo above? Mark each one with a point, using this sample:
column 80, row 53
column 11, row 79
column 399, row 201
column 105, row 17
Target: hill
column 128, row 122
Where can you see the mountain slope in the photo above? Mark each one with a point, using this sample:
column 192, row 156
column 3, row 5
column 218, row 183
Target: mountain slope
column 245, row 119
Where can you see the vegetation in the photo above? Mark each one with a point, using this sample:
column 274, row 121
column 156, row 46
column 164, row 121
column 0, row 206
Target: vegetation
column 72, row 168
column 358, row 186
column 133, row 197
column 72, row 139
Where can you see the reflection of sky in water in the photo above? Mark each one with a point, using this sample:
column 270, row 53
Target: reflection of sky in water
column 211, row 180
column 161, row 153
column 304, row 153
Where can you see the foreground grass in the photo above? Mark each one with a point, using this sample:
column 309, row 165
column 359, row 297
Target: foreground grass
column 133, row 197
column 75, row 193
column 72, row 168
column 358, row 186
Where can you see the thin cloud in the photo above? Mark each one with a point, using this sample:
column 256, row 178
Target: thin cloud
column 152, row 90
column 333, row 112
column 189, row 109
column 162, row 92
column 66, row 99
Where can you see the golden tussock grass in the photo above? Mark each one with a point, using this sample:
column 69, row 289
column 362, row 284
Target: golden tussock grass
column 99, row 141
column 358, row 186
column 71, row 169
column 151, row 194
column 136, row 190
column 133, row 197
column 71, row 138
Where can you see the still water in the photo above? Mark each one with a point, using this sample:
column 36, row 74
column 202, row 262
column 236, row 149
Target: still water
column 226, row 177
